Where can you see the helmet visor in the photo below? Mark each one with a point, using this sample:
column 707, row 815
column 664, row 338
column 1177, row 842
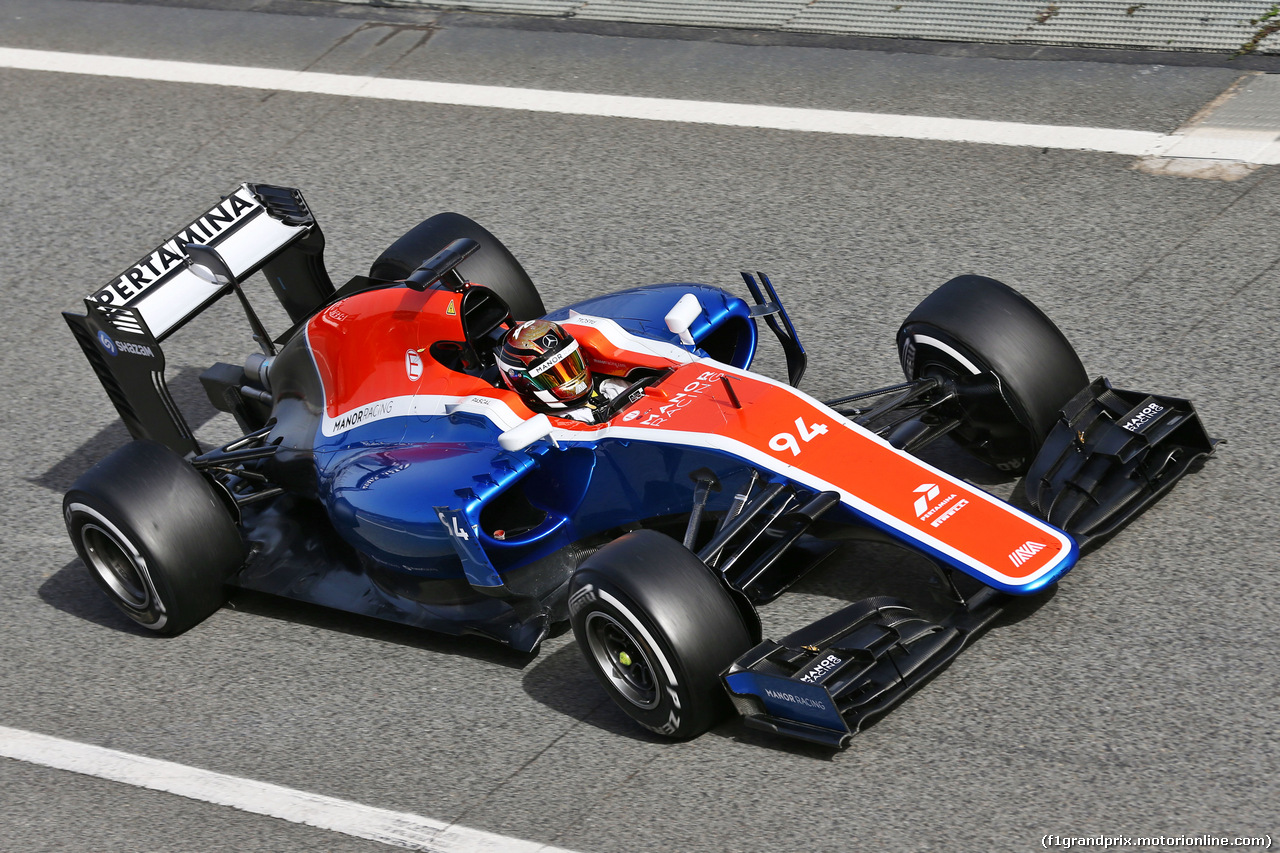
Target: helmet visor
column 562, row 373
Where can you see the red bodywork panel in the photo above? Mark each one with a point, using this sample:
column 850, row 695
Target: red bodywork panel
column 373, row 350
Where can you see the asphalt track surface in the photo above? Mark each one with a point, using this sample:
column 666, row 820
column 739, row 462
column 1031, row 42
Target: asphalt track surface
column 1136, row 699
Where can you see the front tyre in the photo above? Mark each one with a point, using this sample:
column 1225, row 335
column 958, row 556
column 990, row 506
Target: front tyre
column 154, row 536
column 657, row 629
column 974, row 327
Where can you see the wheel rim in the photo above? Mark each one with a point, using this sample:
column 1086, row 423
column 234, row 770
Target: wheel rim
column 119, row 565
column 622, row 660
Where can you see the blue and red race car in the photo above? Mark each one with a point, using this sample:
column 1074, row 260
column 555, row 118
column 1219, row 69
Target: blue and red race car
column 385, row 469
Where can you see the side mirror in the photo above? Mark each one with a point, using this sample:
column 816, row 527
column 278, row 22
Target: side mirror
column 521, row 436
column 681, row 317
column 440, row 266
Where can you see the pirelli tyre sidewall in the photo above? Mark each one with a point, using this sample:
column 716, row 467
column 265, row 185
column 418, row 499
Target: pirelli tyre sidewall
column 154, row 536
column 972, row 325
column 657, row 629
column 493, row 265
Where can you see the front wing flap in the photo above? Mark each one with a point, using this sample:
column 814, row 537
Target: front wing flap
column 1112, row 454
column 821, row 683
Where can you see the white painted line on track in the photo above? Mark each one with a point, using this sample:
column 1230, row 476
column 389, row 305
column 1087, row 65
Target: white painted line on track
column 1137, row 143
column 397, row 829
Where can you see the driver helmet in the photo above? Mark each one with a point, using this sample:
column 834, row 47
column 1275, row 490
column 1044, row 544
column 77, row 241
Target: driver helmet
column 542, row 363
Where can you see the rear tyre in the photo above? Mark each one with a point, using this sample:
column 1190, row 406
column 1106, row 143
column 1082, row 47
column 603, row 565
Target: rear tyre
column 657, row 629
column 493, row 266
column 974, row 325
column 154, row 536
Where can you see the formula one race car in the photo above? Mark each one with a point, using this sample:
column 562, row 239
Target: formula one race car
column 386, row 470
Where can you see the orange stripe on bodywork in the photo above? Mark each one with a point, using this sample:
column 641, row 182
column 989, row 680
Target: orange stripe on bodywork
column 799, row 434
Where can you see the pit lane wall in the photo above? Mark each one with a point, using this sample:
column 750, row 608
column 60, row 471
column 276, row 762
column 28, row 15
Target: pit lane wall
column 1201, row 25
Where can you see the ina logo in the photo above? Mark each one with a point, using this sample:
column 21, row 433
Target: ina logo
column 107, row 344
column 1025, row 552
column 927, row 492
column 413, row 365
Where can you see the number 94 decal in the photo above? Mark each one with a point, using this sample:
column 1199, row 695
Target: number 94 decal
column 449, row 518
column 786, row 441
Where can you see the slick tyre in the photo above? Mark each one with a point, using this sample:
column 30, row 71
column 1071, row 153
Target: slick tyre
column 154, row 536
column 974, row 325
column 493, row 265
column 657, row 629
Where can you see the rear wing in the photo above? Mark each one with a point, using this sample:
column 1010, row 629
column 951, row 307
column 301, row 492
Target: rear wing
column 256, row 227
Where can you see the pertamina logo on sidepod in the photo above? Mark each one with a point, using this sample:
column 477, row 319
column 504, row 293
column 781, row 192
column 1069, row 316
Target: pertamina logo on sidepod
column 936, row 513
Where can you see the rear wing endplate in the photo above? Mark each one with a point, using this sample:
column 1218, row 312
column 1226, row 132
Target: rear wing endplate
column 256, row 227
